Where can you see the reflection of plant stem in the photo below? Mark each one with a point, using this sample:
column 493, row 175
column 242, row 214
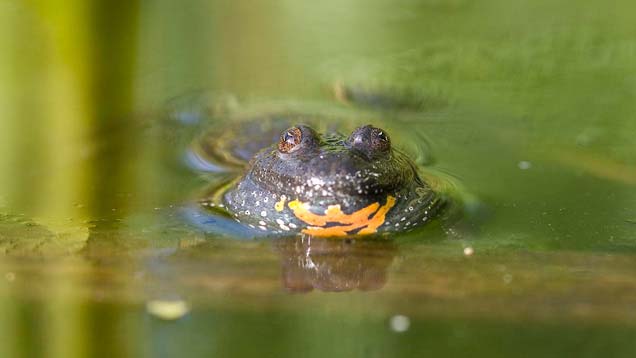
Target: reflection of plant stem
column 598, row 166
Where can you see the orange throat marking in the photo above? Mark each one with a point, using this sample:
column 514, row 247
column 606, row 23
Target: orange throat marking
column 367, row 219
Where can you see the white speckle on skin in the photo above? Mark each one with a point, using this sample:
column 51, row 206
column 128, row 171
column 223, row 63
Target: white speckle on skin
column 263, row 213
column 262, row 228
column 292, row 225
column 262, row 223
column 316, row 181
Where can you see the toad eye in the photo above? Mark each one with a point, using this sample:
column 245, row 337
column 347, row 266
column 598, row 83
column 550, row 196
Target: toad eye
column 290, row 140
column 380, row 140
column 370, row 140
column 382, row 136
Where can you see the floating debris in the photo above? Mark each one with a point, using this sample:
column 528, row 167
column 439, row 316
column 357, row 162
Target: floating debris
column 168, row 310
column 524, row 165
column 400, row 323
column 507, row 278
column 469, row 251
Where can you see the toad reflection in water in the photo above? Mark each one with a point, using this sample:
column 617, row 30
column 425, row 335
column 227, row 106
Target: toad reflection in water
column 306, row 264
column 334, row 265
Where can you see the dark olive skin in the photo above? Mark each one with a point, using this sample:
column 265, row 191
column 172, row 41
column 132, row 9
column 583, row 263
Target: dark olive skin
column 331, row 185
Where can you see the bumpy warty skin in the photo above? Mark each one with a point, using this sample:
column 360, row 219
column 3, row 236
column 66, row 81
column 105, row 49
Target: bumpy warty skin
column 331, row 189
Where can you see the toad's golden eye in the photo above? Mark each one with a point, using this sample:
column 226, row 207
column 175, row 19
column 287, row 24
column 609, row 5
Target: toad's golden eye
column 290, row 140
column 380, row 140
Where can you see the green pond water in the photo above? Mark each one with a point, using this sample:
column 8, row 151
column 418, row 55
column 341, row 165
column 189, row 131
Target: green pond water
column 531, row 105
